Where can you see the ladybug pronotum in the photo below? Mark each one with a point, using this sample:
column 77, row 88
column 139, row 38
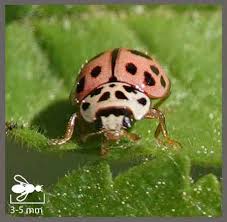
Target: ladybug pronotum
column 116, row 88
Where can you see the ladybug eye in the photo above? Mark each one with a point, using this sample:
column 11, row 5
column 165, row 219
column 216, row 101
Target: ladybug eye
column 96, row 71
column 149, row 79
column 131, row 68
column 154, row 70
column 163, row 82
column 127, row 122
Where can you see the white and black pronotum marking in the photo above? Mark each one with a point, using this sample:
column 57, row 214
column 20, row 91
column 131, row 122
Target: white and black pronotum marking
column 114, row 103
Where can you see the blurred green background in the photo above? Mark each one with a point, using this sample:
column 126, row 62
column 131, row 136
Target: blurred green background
column 45, row 47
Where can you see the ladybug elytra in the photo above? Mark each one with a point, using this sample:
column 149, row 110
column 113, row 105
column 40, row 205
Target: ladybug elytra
column 115, row 88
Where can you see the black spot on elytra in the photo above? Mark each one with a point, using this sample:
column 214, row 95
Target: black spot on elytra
column 112, row 85
column 120, row 95
column 80, row 85
column 142, row 101
column 112, row 79
column 85, row 106
column 154, row 69
column 96, row 71
column 140, row 54
column 104, row 96
column 149, row 79
column 96, row 92
column 163, row 82
column 131, row 68
column 130, row 89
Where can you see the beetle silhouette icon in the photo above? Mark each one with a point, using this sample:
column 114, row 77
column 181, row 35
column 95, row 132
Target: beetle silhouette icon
column 24, row 188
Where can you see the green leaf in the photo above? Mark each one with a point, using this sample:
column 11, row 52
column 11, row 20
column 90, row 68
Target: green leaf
column 30, row 84
column 159, row 187
column 14, row 12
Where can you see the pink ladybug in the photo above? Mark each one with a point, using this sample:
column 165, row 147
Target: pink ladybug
column 115, row 88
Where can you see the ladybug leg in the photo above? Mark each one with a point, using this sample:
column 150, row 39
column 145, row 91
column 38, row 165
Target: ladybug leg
column 104, row 148
column 68, row 133
column 130, row 136
column 110, row 136
column 84, row 138
column 156, row 114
